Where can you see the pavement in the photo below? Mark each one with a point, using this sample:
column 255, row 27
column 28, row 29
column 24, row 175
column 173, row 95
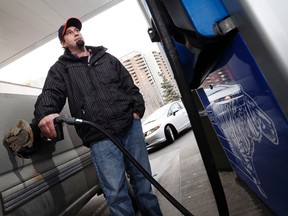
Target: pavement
column 180, row 170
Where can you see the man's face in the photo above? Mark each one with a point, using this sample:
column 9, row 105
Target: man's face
column 73, row 39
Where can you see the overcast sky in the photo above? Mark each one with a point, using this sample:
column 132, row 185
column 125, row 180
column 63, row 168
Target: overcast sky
column 122, row 29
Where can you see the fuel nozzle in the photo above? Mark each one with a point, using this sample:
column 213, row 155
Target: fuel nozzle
column 67, row 119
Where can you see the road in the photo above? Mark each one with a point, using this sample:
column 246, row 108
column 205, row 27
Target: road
column 179, row 169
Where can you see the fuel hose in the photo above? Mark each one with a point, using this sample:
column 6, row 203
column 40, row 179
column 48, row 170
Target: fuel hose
column 73, row 121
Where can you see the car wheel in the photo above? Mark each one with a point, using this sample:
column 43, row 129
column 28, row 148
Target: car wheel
column 169, row 134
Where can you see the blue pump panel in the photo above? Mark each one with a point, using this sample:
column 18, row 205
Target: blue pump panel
column 204, row 14
column 250, row 124
column 187, row 60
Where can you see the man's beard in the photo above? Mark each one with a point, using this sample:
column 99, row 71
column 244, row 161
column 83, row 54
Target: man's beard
column 80, row 44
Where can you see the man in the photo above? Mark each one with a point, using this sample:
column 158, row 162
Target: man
column 99, row 89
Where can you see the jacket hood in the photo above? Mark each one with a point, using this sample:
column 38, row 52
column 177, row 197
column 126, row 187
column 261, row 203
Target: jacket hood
column 96, row 51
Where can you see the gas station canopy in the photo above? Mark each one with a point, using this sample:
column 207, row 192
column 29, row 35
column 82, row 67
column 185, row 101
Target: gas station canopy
column 27, row 24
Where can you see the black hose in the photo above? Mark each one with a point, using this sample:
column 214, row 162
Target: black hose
column 171, row 199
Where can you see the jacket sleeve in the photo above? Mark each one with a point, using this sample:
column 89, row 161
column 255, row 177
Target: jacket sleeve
column 129, row 86
column 53, row 96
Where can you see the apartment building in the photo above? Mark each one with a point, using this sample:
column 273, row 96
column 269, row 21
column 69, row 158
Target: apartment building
column 145, row 69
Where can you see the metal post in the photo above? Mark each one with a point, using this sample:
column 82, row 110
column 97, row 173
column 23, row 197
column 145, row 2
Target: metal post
column 189, row 103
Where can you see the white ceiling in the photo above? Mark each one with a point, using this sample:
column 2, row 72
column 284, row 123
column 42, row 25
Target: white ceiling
column 28, row 24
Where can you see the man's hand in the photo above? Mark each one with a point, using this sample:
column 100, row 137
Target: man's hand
column 47, row 127
column 136, row 116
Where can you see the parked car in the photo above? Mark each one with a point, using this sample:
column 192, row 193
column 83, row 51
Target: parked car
column 222, row 92
column 165, row 123
column 48, row 178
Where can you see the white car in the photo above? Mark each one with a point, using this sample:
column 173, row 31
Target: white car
column 165, row 123
column 222, row 92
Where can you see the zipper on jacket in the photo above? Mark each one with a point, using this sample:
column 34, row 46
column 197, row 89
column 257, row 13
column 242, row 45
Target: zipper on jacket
column 89, row 57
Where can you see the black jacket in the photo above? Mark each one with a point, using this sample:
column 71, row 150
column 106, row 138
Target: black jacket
column 102, row 92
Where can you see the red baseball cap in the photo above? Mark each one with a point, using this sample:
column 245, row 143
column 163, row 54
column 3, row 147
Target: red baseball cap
column 69, row 22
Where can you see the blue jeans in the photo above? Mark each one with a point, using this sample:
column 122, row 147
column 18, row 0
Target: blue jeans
column 111, row 164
